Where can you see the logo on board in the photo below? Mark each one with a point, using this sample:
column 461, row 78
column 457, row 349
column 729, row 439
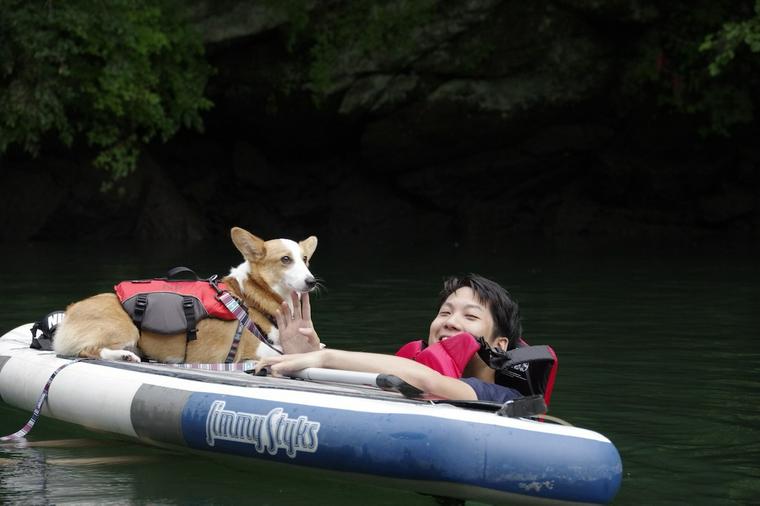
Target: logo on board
column 269, row 433
column 54, row 319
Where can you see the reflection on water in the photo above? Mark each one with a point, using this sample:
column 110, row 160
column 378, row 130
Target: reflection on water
column 36, row 478
column 657, row 352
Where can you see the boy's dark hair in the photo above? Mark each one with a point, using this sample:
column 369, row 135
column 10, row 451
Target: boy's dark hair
column 504, row 310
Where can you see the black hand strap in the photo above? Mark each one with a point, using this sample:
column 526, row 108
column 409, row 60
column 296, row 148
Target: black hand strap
column 176, row 271
column 189, row 310
column 141, row 305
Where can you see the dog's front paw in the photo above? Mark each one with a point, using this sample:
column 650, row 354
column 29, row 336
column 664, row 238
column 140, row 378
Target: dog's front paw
column 128, row 356
column 120, row 355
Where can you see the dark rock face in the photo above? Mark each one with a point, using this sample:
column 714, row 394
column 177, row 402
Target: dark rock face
column 27, row 199
column 495, row 119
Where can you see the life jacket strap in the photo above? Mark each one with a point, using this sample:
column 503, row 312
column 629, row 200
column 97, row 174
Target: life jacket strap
column 141, row 304
column 189, row 309
column 241, row 313
column 528, row 354
column 235, row 343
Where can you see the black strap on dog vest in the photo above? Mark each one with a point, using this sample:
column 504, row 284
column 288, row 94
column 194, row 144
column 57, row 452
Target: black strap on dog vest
column 141, row 304
column 189, row 309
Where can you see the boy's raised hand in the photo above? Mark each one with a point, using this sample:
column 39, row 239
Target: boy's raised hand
column 297, row 334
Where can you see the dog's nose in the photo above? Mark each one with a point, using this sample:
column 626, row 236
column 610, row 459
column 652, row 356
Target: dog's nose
column 311, row 283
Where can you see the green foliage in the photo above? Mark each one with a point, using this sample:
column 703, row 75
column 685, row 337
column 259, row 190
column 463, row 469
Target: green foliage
column 297, row 14
column 115, row 75
column 363, row 29
column 730, row 38
column 367, row 28
column 730, row 95
column 673, row 66
column 688, row 71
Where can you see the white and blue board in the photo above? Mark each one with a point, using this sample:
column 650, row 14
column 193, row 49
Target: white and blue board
column 433, row 448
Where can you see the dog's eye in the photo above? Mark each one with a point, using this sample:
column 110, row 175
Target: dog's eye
column 286, row 260
column 305, row 260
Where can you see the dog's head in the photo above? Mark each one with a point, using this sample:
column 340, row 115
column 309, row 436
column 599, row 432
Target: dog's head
column 281, row 264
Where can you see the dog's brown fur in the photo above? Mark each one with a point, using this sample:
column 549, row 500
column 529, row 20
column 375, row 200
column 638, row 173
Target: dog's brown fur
column 98, row 327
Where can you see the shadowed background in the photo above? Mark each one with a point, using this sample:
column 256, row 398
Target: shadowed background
column 482, row 122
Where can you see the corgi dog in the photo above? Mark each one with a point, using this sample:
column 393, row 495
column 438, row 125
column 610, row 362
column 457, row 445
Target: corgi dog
column 99, row 327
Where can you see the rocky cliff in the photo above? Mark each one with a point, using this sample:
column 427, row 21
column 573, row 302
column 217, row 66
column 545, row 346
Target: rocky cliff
column 479, row 120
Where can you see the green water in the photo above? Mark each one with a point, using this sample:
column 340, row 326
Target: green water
column 659, row 351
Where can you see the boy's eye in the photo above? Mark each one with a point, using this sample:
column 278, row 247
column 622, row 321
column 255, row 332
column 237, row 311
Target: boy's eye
column 444, row 313
column 286, row 260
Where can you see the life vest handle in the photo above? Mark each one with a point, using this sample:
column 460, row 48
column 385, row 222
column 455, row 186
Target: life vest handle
column 172, row 273
column 528, row 354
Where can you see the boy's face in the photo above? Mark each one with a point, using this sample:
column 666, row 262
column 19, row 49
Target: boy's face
column 462, row 312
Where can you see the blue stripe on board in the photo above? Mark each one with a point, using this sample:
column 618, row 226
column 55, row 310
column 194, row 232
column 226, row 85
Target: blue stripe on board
column 414, row 447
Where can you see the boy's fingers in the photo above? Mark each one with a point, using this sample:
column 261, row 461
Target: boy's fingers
column 283, row 316
column 285, row 313
column 261, row 364
column 296, row 306
column 279, row 319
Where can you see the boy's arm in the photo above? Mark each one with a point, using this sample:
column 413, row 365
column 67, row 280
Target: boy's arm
column 418, row 375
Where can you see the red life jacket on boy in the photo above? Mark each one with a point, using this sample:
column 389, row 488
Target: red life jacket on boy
column 528, row 369
column 449, row 357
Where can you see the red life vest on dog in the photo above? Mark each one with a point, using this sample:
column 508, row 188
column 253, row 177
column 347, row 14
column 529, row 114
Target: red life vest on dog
column 171, row 306
column 202, row 291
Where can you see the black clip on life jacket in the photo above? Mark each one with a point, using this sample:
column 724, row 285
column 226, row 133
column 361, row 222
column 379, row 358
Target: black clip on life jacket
column 530, row 370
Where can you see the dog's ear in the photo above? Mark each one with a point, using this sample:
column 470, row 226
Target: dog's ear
column 252, row 248
column 308, row 246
